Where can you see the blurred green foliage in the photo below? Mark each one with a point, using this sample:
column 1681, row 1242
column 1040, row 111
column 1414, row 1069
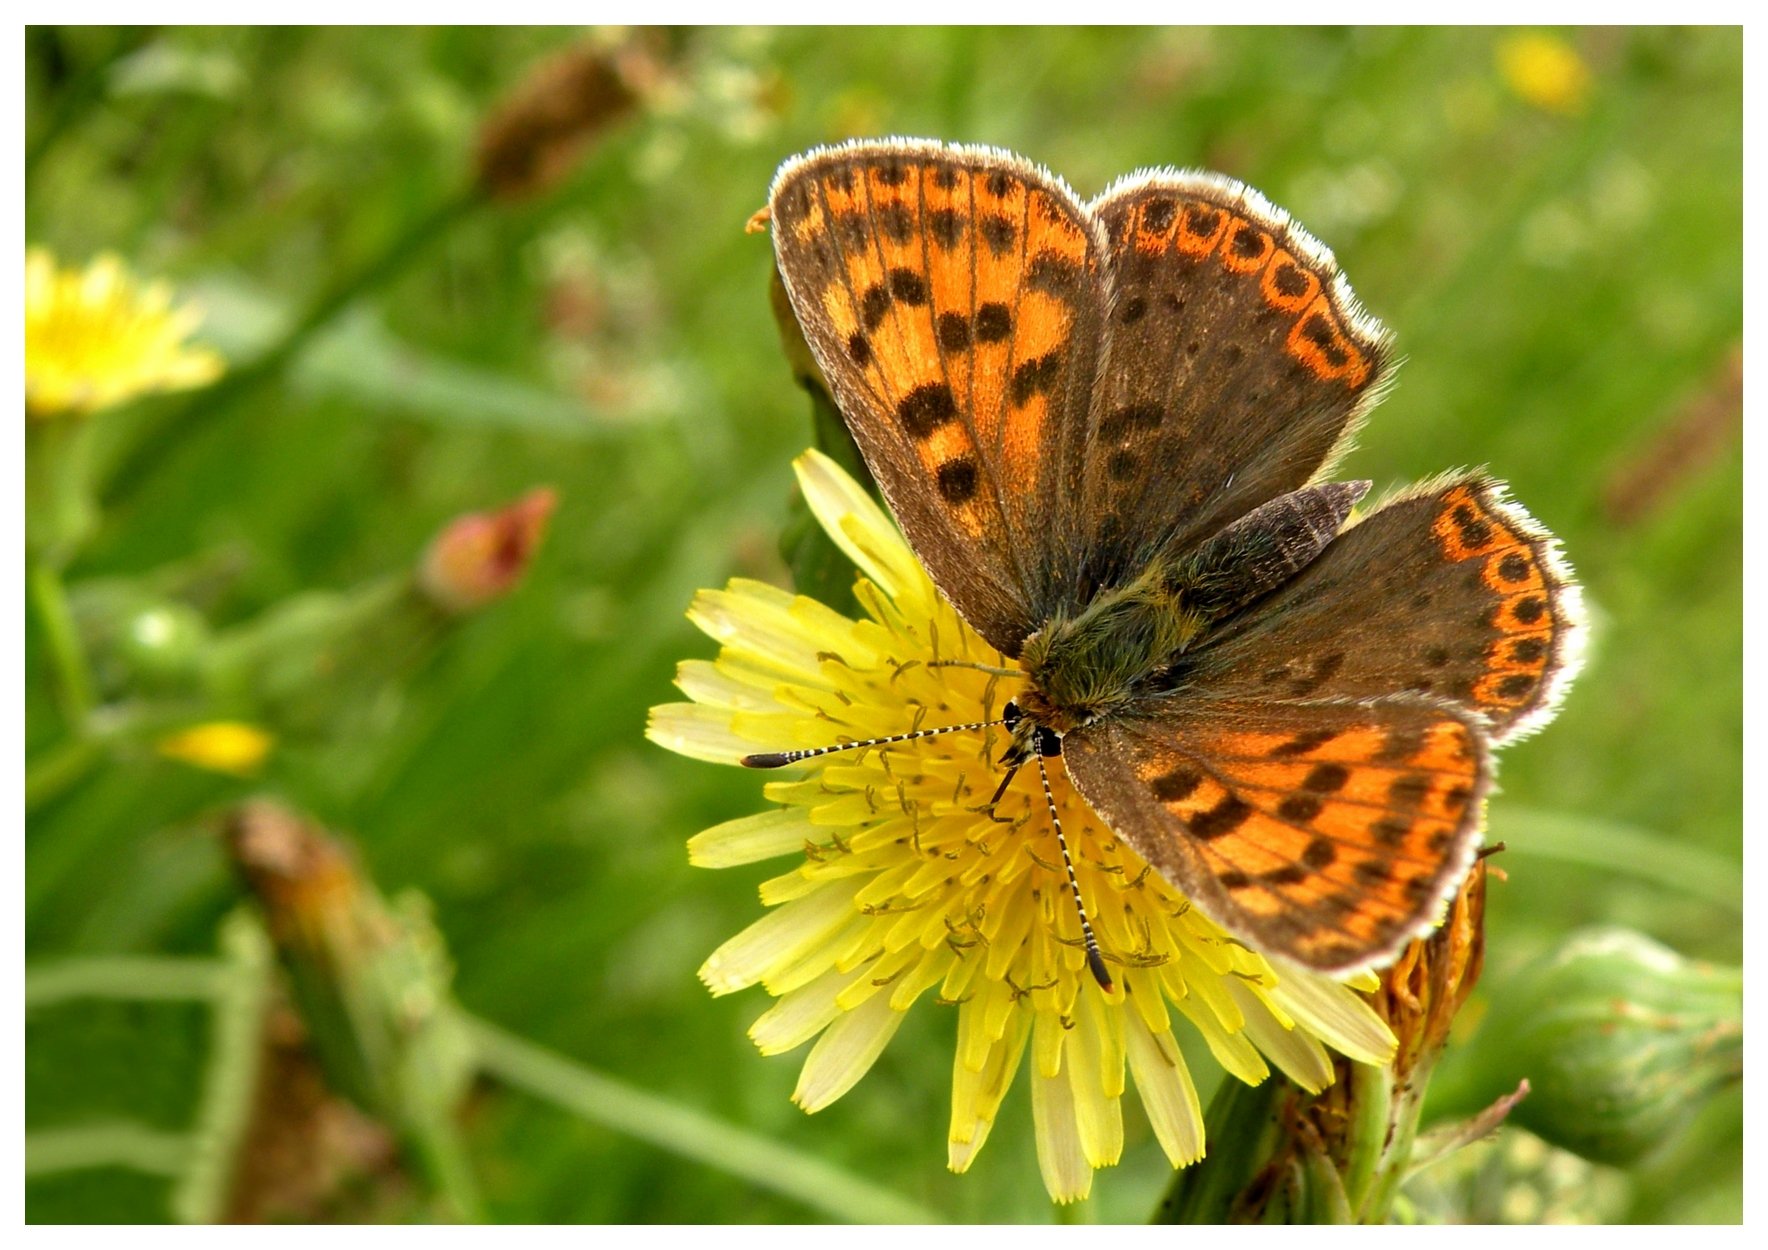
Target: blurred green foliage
column 1564, row 283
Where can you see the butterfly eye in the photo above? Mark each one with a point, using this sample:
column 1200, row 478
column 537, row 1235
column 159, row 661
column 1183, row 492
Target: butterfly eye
column 1010, row 715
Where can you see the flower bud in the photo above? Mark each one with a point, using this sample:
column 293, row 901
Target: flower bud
column 371, row 982
column 160, row 642
column 1622, row 1041
column 536, row 135
column 480, row 557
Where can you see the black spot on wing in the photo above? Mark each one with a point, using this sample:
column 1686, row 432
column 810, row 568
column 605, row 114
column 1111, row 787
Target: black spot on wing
column 1178, row 784
column 994, row 322
column 958, row 480
column 1229, row 813
column 1036, row 376
column 926, row 408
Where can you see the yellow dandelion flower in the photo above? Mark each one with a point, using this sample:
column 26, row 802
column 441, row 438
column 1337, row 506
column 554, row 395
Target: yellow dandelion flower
column 1545, row 71
column 96, row 338
column 222, row 746
column 910, row 889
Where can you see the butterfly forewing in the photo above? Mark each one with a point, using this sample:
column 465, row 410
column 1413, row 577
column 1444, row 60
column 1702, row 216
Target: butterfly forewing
column 1236, row 364
column 953, row 299
column 1449, row 591
column 1327, row 834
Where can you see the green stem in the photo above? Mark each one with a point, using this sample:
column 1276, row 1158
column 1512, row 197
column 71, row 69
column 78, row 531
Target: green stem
column 1396, row 1163
column 1366, row 1146
column 206, row 407
column 230, row 1081
column 73, row 682
column 687, row 1133
column 118, row 1144
column 48, row 776
column 134, row 977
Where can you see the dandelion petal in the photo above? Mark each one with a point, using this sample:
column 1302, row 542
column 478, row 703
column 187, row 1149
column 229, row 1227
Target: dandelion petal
column 1167, row 1093
column 846, row 1052
column 1060, row 1158
column 1337, row 1015
column 779, row 939
column 858, row 526
column 1295, row 1052
column 799, row 1016
column 751, row 838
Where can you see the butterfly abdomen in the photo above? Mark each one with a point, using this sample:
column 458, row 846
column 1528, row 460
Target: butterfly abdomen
column 1263, row 549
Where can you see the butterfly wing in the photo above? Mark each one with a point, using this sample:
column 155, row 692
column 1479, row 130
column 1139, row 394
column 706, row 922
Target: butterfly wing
column 1449, row 591
column 1327, row 834
column 953, row 298
column 1236, row 365
column 1312, row 779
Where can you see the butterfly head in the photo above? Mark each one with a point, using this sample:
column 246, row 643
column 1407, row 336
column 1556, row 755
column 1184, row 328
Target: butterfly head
column 1030, row 734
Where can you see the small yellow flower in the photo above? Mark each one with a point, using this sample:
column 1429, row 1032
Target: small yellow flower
column 221, row 746
column 910, row 889
column 95, row 339
column 1545, row 71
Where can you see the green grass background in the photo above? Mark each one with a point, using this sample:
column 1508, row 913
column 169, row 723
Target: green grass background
column 1565, row 289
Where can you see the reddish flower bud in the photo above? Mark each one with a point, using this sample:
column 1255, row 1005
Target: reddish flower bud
column 480, row 557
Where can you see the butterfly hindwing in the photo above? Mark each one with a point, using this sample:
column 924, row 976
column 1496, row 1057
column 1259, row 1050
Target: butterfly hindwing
column 953, row 297
column 1450, row 592
column 1236, row 364
column 1327, row 834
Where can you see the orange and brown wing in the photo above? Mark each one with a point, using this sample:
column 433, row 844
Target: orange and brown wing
column 1236, row 364
column 1450, row 591
column 953, row 297
column 1326, row 834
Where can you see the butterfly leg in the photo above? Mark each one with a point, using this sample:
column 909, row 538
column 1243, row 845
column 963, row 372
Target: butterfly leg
column 993, row 670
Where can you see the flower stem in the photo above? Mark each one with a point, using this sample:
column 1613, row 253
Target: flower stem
column 67, row 658
column 1372, row 1094
column 685, row 1132
column 114, row 1144
column 49, row 776
column 132, row 977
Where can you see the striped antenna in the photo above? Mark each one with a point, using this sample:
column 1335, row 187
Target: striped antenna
column 1095, row 958
column 779, row 759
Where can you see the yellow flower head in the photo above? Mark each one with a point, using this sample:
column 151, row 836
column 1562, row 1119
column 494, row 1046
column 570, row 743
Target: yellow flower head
column 221, row 746
column 95, row 339
column 910, row 889
column 1545, row 71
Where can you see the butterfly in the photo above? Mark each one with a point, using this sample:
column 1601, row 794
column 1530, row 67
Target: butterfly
column 1107, row 430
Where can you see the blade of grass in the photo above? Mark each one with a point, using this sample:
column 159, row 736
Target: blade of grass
column 687, row 1133
column 1620, row 848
